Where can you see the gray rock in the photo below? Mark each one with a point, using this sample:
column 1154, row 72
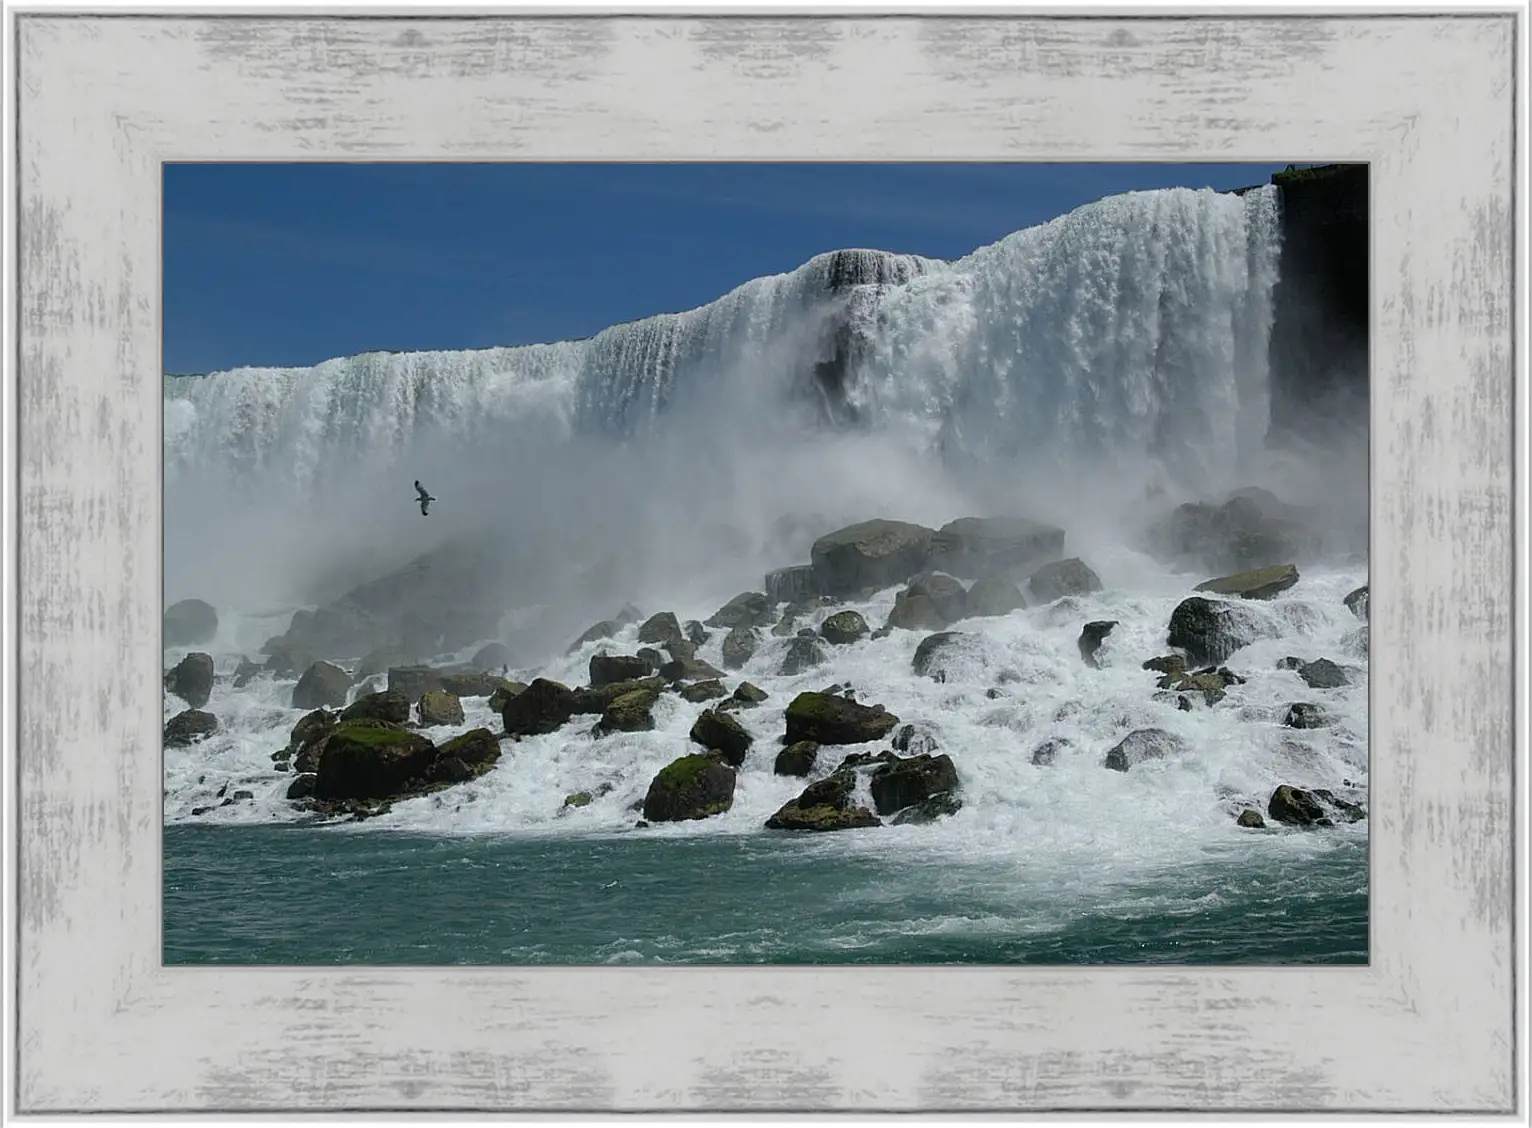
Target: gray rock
column 691, row 787
column 1306, row 715
column 1260, row 583
column 188, row 727
column 797, row 759
column 739, row 646
column 189, row 623
column 791, row 585
column 992, row 596
column 748, row 609
column 661, row 629
column 869, row 556
column 1061, row 578
column 322, row 684
column 191, row 679
column 844, row 628
column 1211, row 630
column 1323, row 674
column 438, row 707
column 390, row 705
column 607, row 669
column 1046, row 753
column 414, row 681
column 803, row 654
column 903, row 783
column 972, row 546
column 1091, row 637
column 935, row 653
column 1356, row 602
column 1142, row 745
column 938, row 806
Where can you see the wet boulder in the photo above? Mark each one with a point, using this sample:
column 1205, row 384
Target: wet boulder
column 698, row 692
column 189, row 623
column 544, row 706
column 1293, row 806
column 803, row 654
column 831, row 719
column 791, row 585
column 188, row 727
column 692, row 787
column 906, row 782
column 1306, row 715
column 302, row 786
column 368, row 760
column 1091, row 637
column 1061, row 578
column 1251, row 819
column 191, row 679
column 869, row 556
column 748, row 609
column 796, row 759
column 1356, row 602
column 503, row 694
column 1142, row 745
column 844, row 628
column 941, row 655
column 378, row 660
column 464, row 757
column 286, row 660
column 245, row 673
column 751, row 694
column 689, row 669
column 661, row 629
column 1323, row 674
column 721, row 733
column 739, row 647
column 915, row 612
column 696, row 633
column 1168, row 664
column 414, row 681
column 945, row 593
column 939, row 806
column 632, row 711
column 390, row 705
column 1260, row 583
column 1211, row 630
column 1251, row 529
column 438, row 707
column 322, row 684
column 606, row 669
column 916, row 739
column 972, row 546
column 824, row 806
column 1047, row 753
column 993, row 595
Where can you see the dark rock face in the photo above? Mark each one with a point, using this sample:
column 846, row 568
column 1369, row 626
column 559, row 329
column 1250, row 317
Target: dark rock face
column 1211, row 630
column 803, row 654
column 753, row 694
column 245, row 673
column 605, row 669
column 1169, row 664
column 917, row 740
column 699, row 692
column 494, row 656
column 1293, row 806
column 364, row 760
column 1091, row 637
column 302, row 786
column 748, row 609
column 721, row 733
column 1323, row 674
column 191, row 679
column 503, row 694
column 824, row 806
column 465, row 757
column 971, row 546
column 796, row 759
column 414, row 681
column 1356, row 602
column 661, row 629
column 936, row 652
column 306, row 738
column 378, row 660
column 545, row 706
column 189, row 622
column 1046, row 753
column 739, row 647
column 1251, row 818
column 844, row 628
column 390, row 705
column 1061, row 578
column 1260, row 583
column 629, row 712
column 993, row 595
column 791, row 585
column 321, row 684
column 1142, row 745
column 692, row 787
column 1306, row 715
column 869, row 556
column 438, row 707
column 827, row 719
column 689, row 669
column 938, row 806
column 695, row 632
column 188, row 727
column 906, row 782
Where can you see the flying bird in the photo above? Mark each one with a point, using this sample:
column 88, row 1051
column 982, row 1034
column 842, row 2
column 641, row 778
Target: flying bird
column 425, row 499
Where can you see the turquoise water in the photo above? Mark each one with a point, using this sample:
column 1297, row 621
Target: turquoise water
column 306, row 895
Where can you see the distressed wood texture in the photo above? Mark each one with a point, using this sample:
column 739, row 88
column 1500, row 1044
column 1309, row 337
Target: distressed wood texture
column 1428, row 1026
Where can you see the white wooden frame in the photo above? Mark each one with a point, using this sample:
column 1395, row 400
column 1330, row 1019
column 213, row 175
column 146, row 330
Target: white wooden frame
column 1429, row 102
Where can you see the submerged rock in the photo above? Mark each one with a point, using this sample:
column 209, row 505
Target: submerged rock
column 972, row 546
column 191, row 679
column 869, row 556
column 936, row 654
column 1142, row 745
column 390, row 705
column 189, row 623
column 721, row 733
column 1046, row 753
column 692, row 787
column 824, row 806
column 1260, row 583
column 188, row 727
column 829, row 719
column 844, row 628
column 904, row 783
column 1251, row 818
column 321, row 684
column 917, row 740
column 695, row 632
column 796, row 759
column 1091, row 637
column 1293, row 806
column 1061, row 578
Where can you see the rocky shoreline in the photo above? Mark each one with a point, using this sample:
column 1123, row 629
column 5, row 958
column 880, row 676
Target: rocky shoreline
column 363, row 744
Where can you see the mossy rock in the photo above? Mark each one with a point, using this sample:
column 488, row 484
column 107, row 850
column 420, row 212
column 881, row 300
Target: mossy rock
column 1171, row 664
column 629, row 712
column 1258, row 583
column 697, row 786
column 699, row 692
column 369, row 760
column 721, row 733
column 824, row 806
column 844, row 628
column 832, row 719
column 504, row 693
column 390, row 705
column 1251, row 819
column 796, row 759
column 907, row 782
column 579, row 799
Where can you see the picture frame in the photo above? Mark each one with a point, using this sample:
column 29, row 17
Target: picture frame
column 1428, row 101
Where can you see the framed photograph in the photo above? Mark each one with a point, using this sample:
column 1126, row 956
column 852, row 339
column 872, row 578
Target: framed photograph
column 766, row 563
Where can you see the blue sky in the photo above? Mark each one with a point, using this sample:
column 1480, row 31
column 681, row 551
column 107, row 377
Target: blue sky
column 292, row 264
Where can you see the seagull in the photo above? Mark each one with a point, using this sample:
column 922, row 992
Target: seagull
column 425, row 499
